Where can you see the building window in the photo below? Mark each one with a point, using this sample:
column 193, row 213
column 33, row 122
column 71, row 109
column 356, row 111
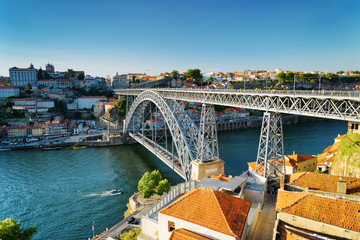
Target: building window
column 171, row 226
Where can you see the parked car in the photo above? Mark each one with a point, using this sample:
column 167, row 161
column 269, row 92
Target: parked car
column 130, row 220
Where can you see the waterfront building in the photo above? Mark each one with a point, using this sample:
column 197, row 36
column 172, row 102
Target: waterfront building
column 19, row 77
column 206, row 214
column 7, row 91
column 317, row 215
column 58, row 127
column 176, row 83
column 87, row 102
column 22, row 131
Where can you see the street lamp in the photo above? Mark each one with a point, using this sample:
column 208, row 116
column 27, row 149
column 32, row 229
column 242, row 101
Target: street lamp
column 319, row 82
column 294, row 82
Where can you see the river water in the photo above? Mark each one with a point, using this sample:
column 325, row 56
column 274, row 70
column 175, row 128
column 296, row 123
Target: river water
column 63, row 192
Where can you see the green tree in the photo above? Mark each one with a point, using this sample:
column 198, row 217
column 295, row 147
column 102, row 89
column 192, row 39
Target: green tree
column 340, row 72
column 133, row 78
column 71, row 72
column 209, row 81
column 80, row 76
column 163, row 187
column 121, row 105
column 175, row 74
column 196, row 75
column 281, row 76
column 40, row 74
column 150, row 182
column 146, row 186
column 137, row 81
column 11, row 230
column 8, row 82
column 28, row 86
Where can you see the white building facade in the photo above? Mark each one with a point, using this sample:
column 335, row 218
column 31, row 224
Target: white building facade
column 19, row 77
column 7, row 91
column 87, row 102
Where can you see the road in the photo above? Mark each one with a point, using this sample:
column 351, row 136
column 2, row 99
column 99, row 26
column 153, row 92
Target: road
column 264, row 228
column 122, row 225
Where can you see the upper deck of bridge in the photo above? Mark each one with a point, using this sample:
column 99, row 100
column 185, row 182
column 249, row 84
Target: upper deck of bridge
column 338, row 95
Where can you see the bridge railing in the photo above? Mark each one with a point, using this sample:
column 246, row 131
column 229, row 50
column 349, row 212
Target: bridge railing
column 179, row 189
column 331, row 93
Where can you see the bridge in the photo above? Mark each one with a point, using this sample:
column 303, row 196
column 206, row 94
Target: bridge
column 196, row 151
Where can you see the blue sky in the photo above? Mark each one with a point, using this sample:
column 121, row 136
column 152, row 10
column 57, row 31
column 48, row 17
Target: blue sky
column 109, row 36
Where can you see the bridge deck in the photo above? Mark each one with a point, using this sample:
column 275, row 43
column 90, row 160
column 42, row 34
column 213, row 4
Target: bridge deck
column 160, row 152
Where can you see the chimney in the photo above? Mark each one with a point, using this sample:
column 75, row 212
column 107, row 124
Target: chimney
column 341, row 186
column 293, row 152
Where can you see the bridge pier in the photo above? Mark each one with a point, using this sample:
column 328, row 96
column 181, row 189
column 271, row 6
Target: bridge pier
column 207, row 161
column 200, row 170
column 270, row 157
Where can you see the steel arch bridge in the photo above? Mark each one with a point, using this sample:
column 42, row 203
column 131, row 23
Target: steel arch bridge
column 339, row 105
column 184, row 132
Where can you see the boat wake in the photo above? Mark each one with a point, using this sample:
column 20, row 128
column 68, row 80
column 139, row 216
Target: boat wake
column 105, row 193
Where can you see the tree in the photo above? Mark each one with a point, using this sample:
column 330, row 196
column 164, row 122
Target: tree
column 340, row 72
column 163, row 187
column 133, row 78
column 209, row 81
column 71, row 72
column 40, row 74
column 150, row 182
column 195, row 74
column 28, row 86
column 281, row 76
column 80, row 76
column 121, row 105
column 8, row 82
column 175, row 74
column 10, row 230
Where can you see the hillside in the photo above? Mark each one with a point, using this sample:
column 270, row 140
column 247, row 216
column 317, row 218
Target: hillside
column 349, row 153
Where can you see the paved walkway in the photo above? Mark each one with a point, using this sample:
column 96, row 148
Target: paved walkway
column 122, row 225
column 265, row 225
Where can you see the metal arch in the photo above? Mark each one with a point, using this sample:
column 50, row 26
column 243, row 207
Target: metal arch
column 180, row 136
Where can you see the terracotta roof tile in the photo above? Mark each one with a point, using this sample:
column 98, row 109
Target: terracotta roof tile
column 211, row 209
column 182, row 234
column 323, row 182
column 337, row 212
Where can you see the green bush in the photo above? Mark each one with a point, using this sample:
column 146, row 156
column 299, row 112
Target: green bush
column 130, row 234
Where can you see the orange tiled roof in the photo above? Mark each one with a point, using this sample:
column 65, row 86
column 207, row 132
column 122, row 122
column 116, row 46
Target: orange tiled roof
column 183, row 234
column 211, row 209
column 323, row 182
column 337, row 212
column 334, row 148
column 221, row 177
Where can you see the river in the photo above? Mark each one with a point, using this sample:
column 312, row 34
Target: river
column 63, row 192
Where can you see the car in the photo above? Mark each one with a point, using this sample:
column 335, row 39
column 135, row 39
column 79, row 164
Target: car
column 136, row 222
column 130, row 220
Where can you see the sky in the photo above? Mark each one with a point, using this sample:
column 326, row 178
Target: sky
column 109, row 36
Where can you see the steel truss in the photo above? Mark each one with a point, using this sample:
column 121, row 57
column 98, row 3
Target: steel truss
column 332, row 105
column 183, row 131
column 270, row 157
column 208, row 149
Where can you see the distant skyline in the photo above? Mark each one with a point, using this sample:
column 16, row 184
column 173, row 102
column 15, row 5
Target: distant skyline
column 105, row 37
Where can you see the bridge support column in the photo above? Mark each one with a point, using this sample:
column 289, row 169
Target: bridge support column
column 200, row 170
column 270, row 157
column 207, row 161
